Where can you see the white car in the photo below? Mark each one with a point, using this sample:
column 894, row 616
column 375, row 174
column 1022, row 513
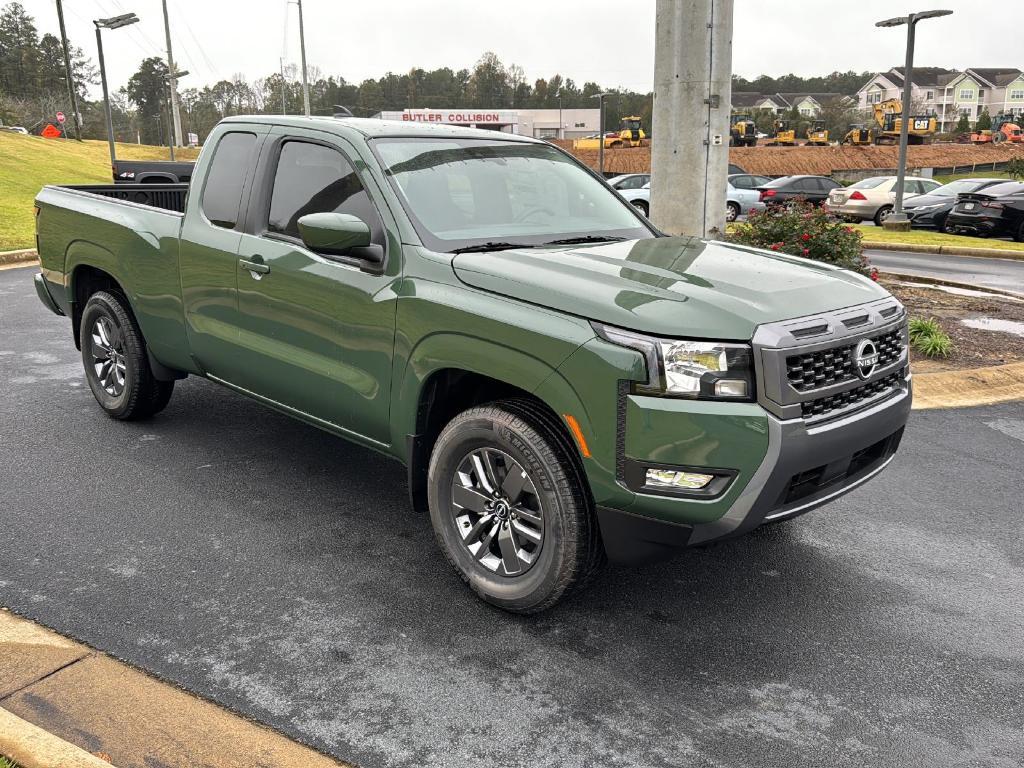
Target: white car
column 14, row 129
column 630, row 181
column 873, row 198
column 741, row 195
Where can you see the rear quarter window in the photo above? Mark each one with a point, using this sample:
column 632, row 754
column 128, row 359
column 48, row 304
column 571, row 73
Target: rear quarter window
column 222, row 194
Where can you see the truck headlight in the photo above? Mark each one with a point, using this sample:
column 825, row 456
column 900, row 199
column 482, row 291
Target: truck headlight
column 706, row 370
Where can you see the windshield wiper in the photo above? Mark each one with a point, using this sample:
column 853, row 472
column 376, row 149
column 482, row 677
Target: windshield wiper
column 490, row 246
column 586, row 239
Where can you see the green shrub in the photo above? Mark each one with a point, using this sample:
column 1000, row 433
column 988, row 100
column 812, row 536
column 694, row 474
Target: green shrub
column 801, row 229
column 1015, row 168
column 928, row 338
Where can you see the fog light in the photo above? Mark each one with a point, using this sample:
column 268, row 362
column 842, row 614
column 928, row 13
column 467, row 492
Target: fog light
column 731, row 388
column 669, row 478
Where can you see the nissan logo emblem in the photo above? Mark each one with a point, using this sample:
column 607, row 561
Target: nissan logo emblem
column 865, row 358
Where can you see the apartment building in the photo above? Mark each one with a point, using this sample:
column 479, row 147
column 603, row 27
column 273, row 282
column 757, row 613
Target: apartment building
column 949, row 93
column 807, row 104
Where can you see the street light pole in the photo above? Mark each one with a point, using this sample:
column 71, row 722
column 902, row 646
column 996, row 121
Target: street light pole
column 600, row 131
column 115, row 22
column 67, row 68
column 898, row 219
column 302, row 46
column 561, row 124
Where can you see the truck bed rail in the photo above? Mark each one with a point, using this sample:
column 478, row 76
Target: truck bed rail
column 169, row 197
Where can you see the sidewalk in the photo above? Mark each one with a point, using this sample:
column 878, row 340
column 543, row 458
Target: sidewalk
column 108, row 708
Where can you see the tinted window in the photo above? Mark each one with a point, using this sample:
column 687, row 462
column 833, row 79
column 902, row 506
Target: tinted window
column 757, row 181
column 633, row 182
column 741, row 182
column 808, row 185
column 827, row 184
column 222, row 195
column 312, row 178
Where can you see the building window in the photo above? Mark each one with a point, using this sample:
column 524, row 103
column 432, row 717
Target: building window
column 1017, row 94
column 929, row 95
column 981, row 93
column 805, row 111
column 579, row 125
column 966, row 94
column 874, row 97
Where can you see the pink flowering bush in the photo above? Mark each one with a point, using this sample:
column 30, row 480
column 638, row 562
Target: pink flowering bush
column 802, row 229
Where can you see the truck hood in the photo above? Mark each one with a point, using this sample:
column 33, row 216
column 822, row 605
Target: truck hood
column 671, row 286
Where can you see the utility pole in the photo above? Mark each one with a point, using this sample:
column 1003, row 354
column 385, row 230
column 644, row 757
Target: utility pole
column 175, row 114
column 67, row 68
column 284, row 100
column 600, row 133
column 692, row 94
column 302, row 45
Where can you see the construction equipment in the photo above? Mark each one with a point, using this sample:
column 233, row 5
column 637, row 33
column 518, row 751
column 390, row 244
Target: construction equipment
column 817, row 134
column 889, row 118
column 742, row 130
column 783, row 135
column 1004, row 128
column 630, row 135
column 857, row 135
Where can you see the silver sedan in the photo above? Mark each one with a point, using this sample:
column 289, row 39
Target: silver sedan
column 741, row 197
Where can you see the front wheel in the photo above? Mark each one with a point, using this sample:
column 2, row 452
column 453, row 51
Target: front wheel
column 116, row 366
column 509, row 506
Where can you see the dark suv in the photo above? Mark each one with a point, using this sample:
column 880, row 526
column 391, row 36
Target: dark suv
column 993, row 211
column 813, row 189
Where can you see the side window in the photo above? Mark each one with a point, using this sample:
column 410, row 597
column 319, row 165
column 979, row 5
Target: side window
column 740, row 182
column 222, row 195
column 312, row 178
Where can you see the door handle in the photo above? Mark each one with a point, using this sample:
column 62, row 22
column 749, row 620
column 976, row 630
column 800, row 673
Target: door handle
column 256, row 268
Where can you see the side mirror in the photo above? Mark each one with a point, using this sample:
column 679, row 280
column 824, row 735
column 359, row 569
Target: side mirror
column 334, row 233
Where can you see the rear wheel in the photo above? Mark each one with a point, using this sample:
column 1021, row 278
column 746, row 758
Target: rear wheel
column 642, row 206
column 509, row 507
column 732, row 211
column 116, row 365
column 882, row 214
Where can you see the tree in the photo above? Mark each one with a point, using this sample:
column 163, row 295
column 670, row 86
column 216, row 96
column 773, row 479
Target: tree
column 984, row 121
column 19, row 51
column 148, row 91
column 963, row 125
column 488, row 85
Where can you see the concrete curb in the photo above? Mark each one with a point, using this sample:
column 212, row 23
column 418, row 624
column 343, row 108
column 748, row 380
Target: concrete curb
column 969, row 387
column 951, row 284
column 32, row 747
column 946, row 250
column 27, row 255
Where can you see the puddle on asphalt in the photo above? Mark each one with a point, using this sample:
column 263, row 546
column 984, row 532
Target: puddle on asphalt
column 994, row 324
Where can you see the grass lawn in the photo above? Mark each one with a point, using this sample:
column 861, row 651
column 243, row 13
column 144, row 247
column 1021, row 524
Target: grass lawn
column 6, row 762
column 29, row 162
column 974, row 175
column 926, row 237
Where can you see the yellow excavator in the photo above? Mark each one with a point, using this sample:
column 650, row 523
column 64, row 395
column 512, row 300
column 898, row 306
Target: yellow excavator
column 630, row 135
column 742, row 130
column 783, row 135
column 858, row 135
column 817, row 134
column 889, row 118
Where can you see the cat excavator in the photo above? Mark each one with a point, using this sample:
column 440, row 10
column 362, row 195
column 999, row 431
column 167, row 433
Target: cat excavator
column 817, row 134
column 858, row 135
column 783, row 135
column 889, row 119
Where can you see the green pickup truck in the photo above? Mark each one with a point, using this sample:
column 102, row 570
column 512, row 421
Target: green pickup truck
column 563, row 383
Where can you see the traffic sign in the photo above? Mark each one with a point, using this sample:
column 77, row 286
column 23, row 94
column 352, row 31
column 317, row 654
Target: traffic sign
column 51, row 132
column 60, row 118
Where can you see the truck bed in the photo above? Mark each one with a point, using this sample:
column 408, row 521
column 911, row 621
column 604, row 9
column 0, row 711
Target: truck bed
column 168, row 197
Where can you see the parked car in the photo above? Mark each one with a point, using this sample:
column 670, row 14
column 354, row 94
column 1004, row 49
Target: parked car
column 152, row 171
column 630, row 180
column 739, row 200
column 14, row 129
column 872, row 199
column 929, row 211
column 562, row 383
column 992, row 211
column 813, row 189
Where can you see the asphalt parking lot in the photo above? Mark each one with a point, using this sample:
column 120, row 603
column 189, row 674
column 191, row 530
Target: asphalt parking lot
column 278, row 571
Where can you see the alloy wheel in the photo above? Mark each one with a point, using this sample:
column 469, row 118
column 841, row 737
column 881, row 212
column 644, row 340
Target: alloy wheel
column 497, row 512
column 108, row 360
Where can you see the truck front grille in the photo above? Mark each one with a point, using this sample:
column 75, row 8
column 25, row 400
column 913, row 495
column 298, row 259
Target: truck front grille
column 814, row 370
column 842, row 400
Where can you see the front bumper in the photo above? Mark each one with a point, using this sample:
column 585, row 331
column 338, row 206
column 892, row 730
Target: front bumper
column 925, row 219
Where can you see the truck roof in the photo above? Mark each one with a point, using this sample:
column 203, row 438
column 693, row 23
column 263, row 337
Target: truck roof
column 371, row 127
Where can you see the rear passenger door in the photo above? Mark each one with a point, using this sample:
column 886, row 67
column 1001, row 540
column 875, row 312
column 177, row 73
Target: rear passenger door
column 316, row 331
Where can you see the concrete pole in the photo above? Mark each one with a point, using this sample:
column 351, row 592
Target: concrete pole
column 176, row 114
column 106, row 99
column 692, row 94
column 898, row 217
column 70, row 75
column 302, row 45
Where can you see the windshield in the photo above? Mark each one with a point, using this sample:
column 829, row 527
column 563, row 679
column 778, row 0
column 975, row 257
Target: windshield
column 870, row 183
column 959, row 187
column 465, row 192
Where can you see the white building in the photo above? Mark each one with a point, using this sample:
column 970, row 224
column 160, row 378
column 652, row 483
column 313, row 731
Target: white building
column 539, row 123
column 807, row 104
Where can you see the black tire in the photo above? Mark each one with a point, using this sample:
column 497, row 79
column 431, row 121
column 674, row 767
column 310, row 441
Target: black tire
column 942, row 227
column 523, row 434
column 1019, row 235
column 133, row 393
column 881, row 214
column 642, row 206
column 732, row 211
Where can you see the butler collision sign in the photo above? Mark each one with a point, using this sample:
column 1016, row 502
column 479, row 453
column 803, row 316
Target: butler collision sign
column 507, row 120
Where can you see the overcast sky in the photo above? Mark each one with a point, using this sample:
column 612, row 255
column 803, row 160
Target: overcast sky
column 608, row 41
